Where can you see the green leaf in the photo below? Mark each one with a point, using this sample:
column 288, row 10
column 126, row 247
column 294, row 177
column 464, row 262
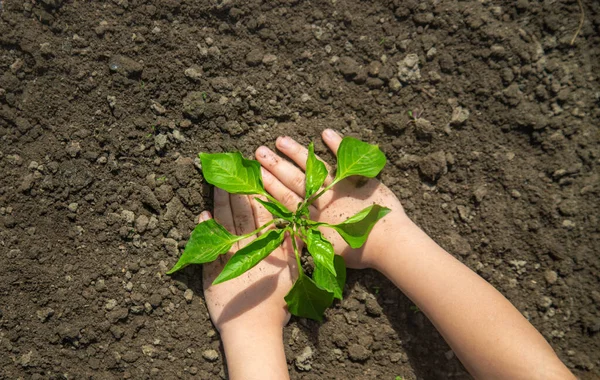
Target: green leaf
column 232, row 173
column 320, row 249
column 355, row 157
column 306, row 299
column 247, row 257
column 356, row 229
column 275, row 209
column 329, row 282
column 208, row 240
column 316, row 172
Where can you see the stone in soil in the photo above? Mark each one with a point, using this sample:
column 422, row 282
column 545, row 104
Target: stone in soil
column 358, row 353
column 188, row 295
column 303, row 361
column 44, row 314
column 194, row 104
column 433, row 166
column 125, row 66
column 459, row 116
column 210, row 355
column 373, row 308
column 194, row 73
column 408, row 69
column 254, row 57
column 348, row 67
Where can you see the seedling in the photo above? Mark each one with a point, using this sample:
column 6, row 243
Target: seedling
column 309, row 297
column 414, row 116
column 149, row 135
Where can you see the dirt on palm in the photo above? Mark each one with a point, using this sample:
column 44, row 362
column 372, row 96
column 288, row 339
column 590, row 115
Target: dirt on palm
column 105, row 105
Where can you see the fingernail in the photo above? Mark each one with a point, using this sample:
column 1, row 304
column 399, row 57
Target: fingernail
column 262, row 151
column 204, row 216
column 265, row 172
column 329, row 133
column 284, row 142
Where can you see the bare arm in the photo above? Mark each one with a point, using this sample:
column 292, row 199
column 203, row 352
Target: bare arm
column 487, row 333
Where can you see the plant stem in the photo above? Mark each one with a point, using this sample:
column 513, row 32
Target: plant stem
column 313, row 198
column 300, row 272
column 241, row 237
column 272, row 199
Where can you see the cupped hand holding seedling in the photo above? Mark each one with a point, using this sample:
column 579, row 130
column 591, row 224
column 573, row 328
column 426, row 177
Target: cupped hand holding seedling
column 285, row 181
column 309, row 297
column 256, row 297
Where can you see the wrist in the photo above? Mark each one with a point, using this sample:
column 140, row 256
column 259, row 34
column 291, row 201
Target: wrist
column 236, row 330
column 254, row 351
column 387, row 242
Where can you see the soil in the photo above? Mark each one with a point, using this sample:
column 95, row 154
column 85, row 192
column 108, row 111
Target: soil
column 104, row 105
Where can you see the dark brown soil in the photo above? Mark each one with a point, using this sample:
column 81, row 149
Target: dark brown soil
column 104, row 105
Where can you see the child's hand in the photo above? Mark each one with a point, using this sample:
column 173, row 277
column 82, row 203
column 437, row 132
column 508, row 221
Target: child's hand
column 254, row 300
column 286, row 183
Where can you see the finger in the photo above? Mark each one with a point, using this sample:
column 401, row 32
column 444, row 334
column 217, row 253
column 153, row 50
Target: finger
column 261, row 215
column 204, row 216
column 332, row 140
column 224, row 217
column 299, row 154
column 223, row 214
column 292, row 177
column 278, row 190
column 284, row 195
column 243, row 216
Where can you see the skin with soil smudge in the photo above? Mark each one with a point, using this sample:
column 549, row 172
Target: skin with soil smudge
column 99, row 188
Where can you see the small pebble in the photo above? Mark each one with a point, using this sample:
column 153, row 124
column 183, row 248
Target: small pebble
column 303, row 361
column 111, row 304
column 210, row 355
column 188, row 295
column 550, row 276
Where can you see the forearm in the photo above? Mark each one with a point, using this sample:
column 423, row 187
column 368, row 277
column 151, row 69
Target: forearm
column 487, row 333
column 255, row 353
